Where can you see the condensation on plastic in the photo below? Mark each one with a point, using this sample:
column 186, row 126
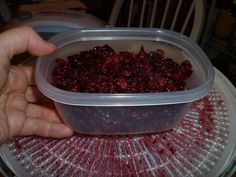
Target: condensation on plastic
column 201, row 145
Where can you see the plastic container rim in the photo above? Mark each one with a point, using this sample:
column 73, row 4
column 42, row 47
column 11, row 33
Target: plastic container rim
column 123, row 99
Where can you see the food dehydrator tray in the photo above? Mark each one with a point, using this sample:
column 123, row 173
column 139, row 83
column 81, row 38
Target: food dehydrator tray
column 202, row 144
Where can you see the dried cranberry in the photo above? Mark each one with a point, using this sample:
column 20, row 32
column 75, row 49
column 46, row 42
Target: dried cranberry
column 102, row 70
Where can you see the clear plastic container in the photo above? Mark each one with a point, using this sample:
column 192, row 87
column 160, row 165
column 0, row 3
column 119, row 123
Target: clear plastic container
column 110, row 114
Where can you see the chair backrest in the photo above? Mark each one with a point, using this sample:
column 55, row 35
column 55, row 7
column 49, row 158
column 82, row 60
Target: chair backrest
column 184, row 16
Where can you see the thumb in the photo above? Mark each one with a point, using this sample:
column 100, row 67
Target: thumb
column 19, row 40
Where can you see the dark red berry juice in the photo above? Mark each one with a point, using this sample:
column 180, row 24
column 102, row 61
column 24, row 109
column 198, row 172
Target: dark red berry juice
column 104, row 70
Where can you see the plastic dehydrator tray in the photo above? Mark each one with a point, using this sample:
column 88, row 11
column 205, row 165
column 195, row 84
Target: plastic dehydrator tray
column 202, row 144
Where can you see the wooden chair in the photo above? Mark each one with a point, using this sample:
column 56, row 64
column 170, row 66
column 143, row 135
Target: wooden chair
column 183, row 16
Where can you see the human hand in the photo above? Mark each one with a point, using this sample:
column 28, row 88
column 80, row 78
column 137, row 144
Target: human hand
column 19, row 115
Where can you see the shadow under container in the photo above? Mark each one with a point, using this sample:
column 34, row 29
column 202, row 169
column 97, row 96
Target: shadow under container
column 137, row 113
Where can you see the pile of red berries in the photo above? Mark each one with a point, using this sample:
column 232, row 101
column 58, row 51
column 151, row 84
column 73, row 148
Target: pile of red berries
column 103, row 70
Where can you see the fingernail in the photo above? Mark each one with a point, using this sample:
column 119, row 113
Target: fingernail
column 51, row 45
column 64, row 130
column 67, row 131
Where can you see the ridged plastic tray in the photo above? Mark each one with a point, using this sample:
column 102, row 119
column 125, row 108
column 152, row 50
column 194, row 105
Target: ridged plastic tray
column 202, row 144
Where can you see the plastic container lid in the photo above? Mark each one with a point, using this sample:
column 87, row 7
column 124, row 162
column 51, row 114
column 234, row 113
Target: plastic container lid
column 57, row 21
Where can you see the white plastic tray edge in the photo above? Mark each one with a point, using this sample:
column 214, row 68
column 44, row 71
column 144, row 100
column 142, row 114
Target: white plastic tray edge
column 228, row 91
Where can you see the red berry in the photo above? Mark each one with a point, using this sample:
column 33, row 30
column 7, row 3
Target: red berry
column 102, row 70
